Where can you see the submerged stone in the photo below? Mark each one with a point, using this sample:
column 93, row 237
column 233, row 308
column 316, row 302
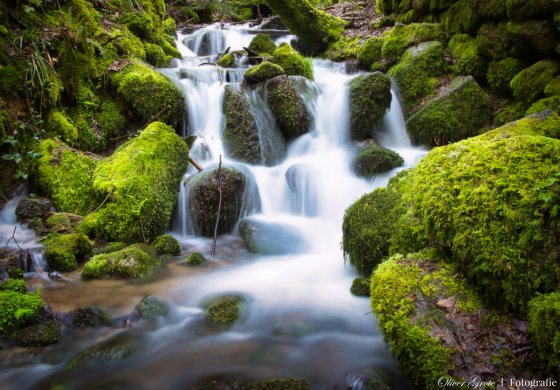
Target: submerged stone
column 225, row 309
column 91, row 317
column 39, row 335
column 151, row 306
column 271, row 238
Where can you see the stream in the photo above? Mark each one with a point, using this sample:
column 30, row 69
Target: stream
column 301, row 319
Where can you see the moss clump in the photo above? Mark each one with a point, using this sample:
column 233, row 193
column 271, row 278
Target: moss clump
column 116, row 348
column 369, row 52
column 460, row 112
column 91, row 317
column 63, row 252
column 465, row 16
column 166, row 245
column 170, row 27
column 375, row 160
column 509, row 113
column 59, row 222
column 66, row 175
column 18, row 309
column 345, row 49
column 61, row 126
column 293, row 63
column 553, row 88
column 367, row 228
column 469, row 62
column 39, row 335
column 360, row 287
column 288, row 107
column 155, row 55
column 370, row 97
column 262, row 44
column 241, row 136
column 226, row 61
column 529, row 84
column 401, row 37
column 534, row 34
column 149, row 93
column 262, row 72
column 151, row 307
column 140, row 179
column 195, row 259
column 226, row 309
column 550, row 103
column 16, row 285
column 544, row 325
column 129, row 263
column 501, row 72
column 415, row 73
column 494, row 41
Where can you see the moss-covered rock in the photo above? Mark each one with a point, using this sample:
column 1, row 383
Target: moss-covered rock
column 271, row 238
column 402, row 36
column 528, row 85
column 544, row 325
column 262, row 72
column 195, row 259
column 538, row 36
column 226, row 61
column 293, row 63
column 91, row 317
column 553, row 87
column 66, row 175
column 345, row 49
column 465, row 16
column 166, row 245
column 140, row 180
column 469, row 62
column 116, row 348
column 509, row 113
column 494, row 41
column 30, row 208
column 62, row 222
column 524, row 9
column 460, row 112
column 288, row 107
column 151, row 307
column 501, row 72
column 262, row 44
column 225, row 309
column 65, row 251
column 149, row 93
column 241, row 136
column 360, row 287
column 134, row 261
column 204, row 199
column 369, row 53
column 374, row 160
column 18, row 309
column 61, row 126
column 40, row 335
column 370, row 97
column 550, row 103
column 415, row 73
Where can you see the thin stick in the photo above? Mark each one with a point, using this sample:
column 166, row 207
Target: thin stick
column 219, row 208
column 102, row 203
column 196, row 165
column 14, row 238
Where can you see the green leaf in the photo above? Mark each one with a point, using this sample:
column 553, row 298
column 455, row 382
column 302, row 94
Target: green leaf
column 8, row 157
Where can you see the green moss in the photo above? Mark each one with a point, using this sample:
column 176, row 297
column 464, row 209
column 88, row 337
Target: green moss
column 509, row 113
column 58, row 220
column 166, row 245
column 169, row 27
column 494, row 41
column 39, row 335
column 535, row 34
column 195, row 259
column 369, row 52
column 262, row 72
column 226, row 61
column 140, row 180
column 469, row 62
column 501, row 72
column 63, row 252
column 553, row 87
column 345, row 49
column 460, row 112
column 155, row 55
column 117, row 348
column 529, row 84
column 226, row 309
column 61, row 126
column 18, row 309
column 66, row 175
column 544, row 325
column 549, row 103
column 149, row 93
column 367, row 228
column 401, row 37
column 370, row 97
column 292, row 62
column 152, row 307
column 415, row 73
column 465, row 16
column 263, row 44
column 523, row 9
column 128, row 263
column 360, row 287
column 16, row 285
column 109, row 248
column 376, row 160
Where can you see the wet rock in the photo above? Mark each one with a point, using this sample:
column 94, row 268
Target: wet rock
column 30, row 208
column 166, row 245
column 40, row 335
column 225, row 309
column 63, row 252
column 116, row 348
column 151, row 306
column 271, row 238
column 274, row 23
column 375, row 160
column 302, row 182
column 262, row 72
column 62, row 222
column 195, row 259
column 262, row 44
column 91, row 317
column 360, row 287
column 293, row 63
column 134, row 261
column 207, row 43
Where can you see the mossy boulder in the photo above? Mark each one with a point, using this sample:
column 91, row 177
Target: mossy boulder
column 287, row 106
column 262, row 72
column 494, row 41
column 195, row 259
column 524, row 9
column 501, row 72
column 140, row 180
column 225, row 309
column 370, row 98
column 40, row 335
column 537, row 36
column 134, row 261
column 529, row 84
column 204, row 199
column 271, row 238
column 30, row 208
column 293, row 63
column 151, row 307
column 544, row 325
column 60, row 125
column 63, row 252
column 465, row 16
column 460, row 112
column 65, row 174
column 369, row 52
column 109, row 247
column 18, row 309
column 91, row 317
column 468, row 61
column 62, row 222
column 149, row 93
column 550, row 103
column 166, row 245
column 360, row 287
column 374, row 160
column 553, row 87
column 117, row 348
column 402, row 36
column 262, row 44
column 241, row 135
column 416, row 73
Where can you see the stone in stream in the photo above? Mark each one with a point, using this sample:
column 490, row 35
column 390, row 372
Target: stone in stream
column 225, row 309
column 166, row 245
column 375, row 159
column 134, row 261
column 271, row 238
column 39, row 335
column 151, row 307
column 30, row 208
column 91, row 317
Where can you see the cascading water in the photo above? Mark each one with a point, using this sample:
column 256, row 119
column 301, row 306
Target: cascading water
column 301, row 320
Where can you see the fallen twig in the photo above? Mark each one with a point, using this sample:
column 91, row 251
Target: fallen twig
column 14, row 238
column 196, row 165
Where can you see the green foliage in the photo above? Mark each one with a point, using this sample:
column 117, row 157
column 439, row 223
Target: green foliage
column 469, row 62
column 16, row 285
column 401, row 37
column 131, row 262
column 262, row 72
column 263, row 44
column 376, row 160
column 292, row 62
column 529, row 84
column 140, row 179
column 226, row 309
column 166, row 245
column 544, row 325
column 66, row 175
column 501, row 72
column 63, row 252
column 360, row 287
column 195, row 259
column 18, row 309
